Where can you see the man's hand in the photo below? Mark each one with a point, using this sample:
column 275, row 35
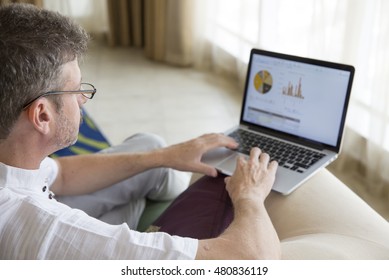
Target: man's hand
column 253, row 178
column 187, row 156
column 251, row 235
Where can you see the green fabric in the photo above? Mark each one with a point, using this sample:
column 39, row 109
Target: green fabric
column 152, row 211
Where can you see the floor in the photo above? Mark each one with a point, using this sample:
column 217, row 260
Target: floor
column 138, row 95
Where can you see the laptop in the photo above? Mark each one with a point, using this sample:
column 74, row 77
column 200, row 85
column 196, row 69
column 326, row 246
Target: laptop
column 293, row 108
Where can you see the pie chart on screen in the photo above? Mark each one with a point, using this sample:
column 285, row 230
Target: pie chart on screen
column 263, row 81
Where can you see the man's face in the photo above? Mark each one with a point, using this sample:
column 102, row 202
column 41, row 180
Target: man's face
column 69, row 116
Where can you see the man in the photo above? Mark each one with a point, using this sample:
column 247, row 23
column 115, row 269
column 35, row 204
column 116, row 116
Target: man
column 40, row 99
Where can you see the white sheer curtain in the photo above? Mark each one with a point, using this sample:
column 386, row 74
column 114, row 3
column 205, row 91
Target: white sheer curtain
column 349, row 31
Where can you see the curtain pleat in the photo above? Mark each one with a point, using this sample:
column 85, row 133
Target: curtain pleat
column 155, row 29
column 161, row 27
column 179, row 35
column 137, row 22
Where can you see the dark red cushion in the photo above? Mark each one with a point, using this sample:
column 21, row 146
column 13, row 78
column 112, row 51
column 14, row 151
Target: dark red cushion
column 203, row 211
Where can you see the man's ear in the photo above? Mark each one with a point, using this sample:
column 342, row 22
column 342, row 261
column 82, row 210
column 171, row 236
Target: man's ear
column 40, row 114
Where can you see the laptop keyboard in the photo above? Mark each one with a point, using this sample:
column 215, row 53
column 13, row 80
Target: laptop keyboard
column 287, row 155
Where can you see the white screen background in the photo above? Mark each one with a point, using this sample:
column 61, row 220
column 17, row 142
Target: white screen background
column 314, row 113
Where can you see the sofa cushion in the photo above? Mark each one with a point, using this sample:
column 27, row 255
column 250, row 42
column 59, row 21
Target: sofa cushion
column 326, row 246
column 324, row 219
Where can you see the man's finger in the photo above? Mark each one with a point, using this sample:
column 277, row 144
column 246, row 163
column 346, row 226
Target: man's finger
column 207, row 170
column 273, row 165
column 264, row 159
column 215, row 140
column 255, row 154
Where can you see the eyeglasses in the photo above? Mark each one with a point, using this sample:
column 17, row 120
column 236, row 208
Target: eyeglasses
column 87, row 90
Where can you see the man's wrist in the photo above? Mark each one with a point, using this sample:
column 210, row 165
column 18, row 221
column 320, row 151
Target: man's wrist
column 248, row 206
column 159, row 157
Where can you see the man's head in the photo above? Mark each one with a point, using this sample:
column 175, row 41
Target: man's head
column 38, row 49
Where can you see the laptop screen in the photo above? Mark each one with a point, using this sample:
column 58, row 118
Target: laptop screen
column 302, row 97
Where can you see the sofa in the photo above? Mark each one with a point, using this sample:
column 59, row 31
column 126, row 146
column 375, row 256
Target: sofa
column 324, row 219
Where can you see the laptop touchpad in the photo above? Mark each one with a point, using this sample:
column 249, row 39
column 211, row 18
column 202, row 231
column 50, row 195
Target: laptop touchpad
column 216, row 156
column 228, row 166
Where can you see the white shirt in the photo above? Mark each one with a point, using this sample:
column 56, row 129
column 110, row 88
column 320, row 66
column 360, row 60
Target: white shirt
column 33, row 226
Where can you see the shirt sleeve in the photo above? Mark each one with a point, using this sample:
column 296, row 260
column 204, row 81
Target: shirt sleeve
column 76, row 235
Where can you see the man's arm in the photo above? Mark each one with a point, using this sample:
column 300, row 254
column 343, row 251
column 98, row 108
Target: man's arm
column 251, row 235
column 88, row 173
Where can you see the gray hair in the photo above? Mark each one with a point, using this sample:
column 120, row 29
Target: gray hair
column 34, row 45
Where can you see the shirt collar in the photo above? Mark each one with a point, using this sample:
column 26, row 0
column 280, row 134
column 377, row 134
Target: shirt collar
column 13, row 177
